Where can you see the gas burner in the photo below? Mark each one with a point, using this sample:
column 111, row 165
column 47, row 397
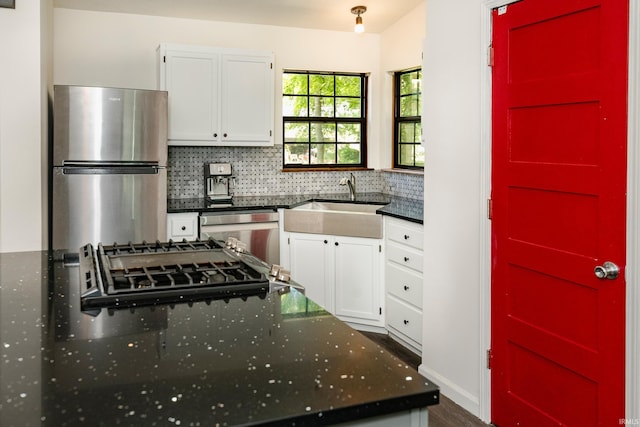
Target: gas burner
column 130, row 275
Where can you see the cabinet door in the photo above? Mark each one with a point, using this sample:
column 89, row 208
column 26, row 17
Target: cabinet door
column 247, row 99
column 357, row 278
column 311, row 258
column 192, row 80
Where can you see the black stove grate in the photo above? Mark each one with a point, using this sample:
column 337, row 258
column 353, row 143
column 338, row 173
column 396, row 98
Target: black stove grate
column 129, row 275
column 145, row 279
column 159, row 247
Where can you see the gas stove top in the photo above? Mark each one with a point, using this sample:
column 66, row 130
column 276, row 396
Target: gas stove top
column 119, row 276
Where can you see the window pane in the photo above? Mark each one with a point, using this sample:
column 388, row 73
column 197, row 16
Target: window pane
column 349, row 132
column 409, row 106
column 419, row 149
column 320, row 85
column 348, row 86
column 321, row 107
column 323, row 132
column 296, row 154
column 348, row 153
column 296, row 132
column 406, row 155
column 294, row 106
column 348, row 107
column 295, row 84
column 407, row 132
column 410, row 83
column 323, row 154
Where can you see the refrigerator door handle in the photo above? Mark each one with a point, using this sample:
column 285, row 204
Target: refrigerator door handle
column 122, row 170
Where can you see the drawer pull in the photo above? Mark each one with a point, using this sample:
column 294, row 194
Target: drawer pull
column 406, row 288
column 406, row 322
column 406, row 259
column 406, row 237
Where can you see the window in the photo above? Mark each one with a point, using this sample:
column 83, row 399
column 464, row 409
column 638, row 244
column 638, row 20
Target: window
column 324, row 120
column 408, row 150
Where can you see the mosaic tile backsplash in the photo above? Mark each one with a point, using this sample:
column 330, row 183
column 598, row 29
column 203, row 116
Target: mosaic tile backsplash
column 258, row 171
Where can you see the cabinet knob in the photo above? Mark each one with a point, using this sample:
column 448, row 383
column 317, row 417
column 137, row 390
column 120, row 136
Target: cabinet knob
column 183, row 228
column 406, row 237
column 406, row 259
column 215, row 135
column 336, row 243
column 406, row 288
column 225, row 135
column 326, row 241
column 406, row 322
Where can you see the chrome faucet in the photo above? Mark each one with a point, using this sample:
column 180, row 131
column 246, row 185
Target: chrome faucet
column 351, row 182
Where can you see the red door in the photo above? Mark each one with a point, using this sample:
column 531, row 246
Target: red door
column 558, row 191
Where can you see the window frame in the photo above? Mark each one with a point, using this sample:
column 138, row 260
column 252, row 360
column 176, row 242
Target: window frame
column 398, row 120
column 362, row 120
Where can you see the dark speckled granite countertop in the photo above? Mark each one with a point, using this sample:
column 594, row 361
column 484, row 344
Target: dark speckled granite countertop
column 280, row 360
column 399, row 207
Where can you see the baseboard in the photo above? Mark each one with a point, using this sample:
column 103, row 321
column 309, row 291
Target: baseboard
column 459, row 396
column 367, row 328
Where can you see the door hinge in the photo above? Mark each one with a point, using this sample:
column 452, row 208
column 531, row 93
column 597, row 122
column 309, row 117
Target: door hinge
column 490, row 209
column 288, row 240
column 380, row 310
column 271, row 65
column 380, row 248
column 490, row 56
column 489, row 356
column 271, row 133
column 164, row 58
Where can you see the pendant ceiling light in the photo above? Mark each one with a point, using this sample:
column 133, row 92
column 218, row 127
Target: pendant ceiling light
column 359, row 10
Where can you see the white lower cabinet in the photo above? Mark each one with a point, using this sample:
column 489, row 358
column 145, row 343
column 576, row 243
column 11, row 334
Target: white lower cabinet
column 342, row 274
column 404, row 281
column 182, row 226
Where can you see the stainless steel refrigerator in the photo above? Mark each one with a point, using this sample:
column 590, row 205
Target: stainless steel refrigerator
column 108, row 174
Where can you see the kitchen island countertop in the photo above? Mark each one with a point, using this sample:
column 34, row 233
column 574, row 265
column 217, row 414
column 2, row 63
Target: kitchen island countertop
column 399, row 207
column 277, row 360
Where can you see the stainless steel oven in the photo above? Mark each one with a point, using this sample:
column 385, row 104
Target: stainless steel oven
column 257, row 228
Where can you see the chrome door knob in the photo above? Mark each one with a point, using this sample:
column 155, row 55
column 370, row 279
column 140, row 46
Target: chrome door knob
column 607, row 270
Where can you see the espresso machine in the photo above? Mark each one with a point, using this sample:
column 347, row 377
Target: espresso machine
column 217, row 182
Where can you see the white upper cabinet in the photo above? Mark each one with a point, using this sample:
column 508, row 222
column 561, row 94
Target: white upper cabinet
column 222, row 97
column 247, row 98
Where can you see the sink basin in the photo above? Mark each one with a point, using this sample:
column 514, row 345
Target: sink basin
column 339, row 207
column 339, row 219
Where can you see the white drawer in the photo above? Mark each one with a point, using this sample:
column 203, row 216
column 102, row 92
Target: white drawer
column 405, row 284
column 408, row 257
column 182, row 226
column 405, row 232
column 404, row 319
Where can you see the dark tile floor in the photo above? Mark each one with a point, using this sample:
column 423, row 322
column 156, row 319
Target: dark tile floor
column 446, row 413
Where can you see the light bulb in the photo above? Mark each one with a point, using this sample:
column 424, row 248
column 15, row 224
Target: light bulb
column 359, row 28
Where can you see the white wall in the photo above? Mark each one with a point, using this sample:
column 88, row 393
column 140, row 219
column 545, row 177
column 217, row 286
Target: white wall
column 22, row 126
column 452, row 209
column 110, row 49
column 401, row 49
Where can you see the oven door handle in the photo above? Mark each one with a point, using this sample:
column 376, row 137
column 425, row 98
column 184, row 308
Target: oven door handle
column 220, row 228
